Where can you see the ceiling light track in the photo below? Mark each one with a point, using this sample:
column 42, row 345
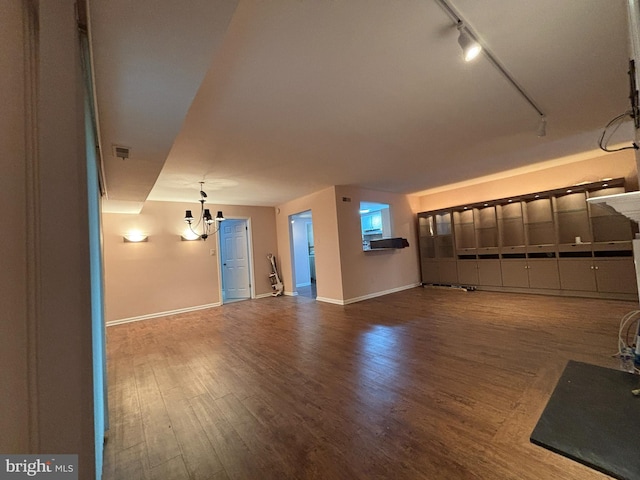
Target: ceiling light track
column 464, row 28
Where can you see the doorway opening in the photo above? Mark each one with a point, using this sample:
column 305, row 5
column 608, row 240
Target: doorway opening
column 303, row 256
column 235, row 261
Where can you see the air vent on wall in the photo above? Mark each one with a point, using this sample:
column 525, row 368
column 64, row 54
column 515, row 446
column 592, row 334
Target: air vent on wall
column 121, row 152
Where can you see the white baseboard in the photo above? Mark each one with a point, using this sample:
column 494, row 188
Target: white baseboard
column 330, row 300
column 161, row 314
column 368, row 296
column 263, row 295
column 380, row 294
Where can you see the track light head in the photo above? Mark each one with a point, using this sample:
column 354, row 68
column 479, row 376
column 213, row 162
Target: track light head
column 542, row 126
column 470, row 47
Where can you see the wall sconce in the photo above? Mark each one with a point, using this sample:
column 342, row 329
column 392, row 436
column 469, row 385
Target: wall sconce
column 189, row 236
column 135, row 236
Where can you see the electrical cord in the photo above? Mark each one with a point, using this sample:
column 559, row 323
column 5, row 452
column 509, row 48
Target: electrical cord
column 629, row 317
column 626, row 336
column 601, row 142
column 626, row 321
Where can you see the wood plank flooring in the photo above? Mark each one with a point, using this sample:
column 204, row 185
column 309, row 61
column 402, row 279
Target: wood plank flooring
column 421, row 384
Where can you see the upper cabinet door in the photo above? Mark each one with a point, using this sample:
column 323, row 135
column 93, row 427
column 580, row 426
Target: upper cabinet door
column 573, row 218
column 539, row 226
column 608, row 225
column 512, row 224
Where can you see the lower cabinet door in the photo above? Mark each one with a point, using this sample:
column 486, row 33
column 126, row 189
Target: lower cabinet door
column 468, row 272
column 489, row 273
column 429, row 269
column 543, row 273
column 514, row 273
column 577, row 274
column 615, row 275
column 448, row 272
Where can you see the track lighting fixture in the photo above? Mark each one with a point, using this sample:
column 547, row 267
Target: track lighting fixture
column 470, row 47
column 205, row 218
column 542, row 126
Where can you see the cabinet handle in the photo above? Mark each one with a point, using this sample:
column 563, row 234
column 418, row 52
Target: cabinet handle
column 597, row 268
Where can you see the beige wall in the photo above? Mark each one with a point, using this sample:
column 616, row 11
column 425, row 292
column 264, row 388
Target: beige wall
column 614, row 165
column 325, row 233
column 64, row 333
column 46, row 397
column 14, row 399
column 369, row 273
column 344, row 272
column 167, row 274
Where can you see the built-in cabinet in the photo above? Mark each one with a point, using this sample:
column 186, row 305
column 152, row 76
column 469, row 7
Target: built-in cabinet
column 436, row 248
column 548, row 242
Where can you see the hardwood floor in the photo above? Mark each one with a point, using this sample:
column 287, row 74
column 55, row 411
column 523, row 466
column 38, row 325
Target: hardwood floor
column 421, row 384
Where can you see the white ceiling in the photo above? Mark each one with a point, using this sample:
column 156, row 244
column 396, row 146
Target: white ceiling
column 266, row 101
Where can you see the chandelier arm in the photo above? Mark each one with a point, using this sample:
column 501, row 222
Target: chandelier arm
column 191, row 227
column 199, row 221
column 192, row 230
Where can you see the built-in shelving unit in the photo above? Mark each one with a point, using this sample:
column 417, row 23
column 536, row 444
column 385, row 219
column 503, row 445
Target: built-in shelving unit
column 437, row 248
column 564, row 242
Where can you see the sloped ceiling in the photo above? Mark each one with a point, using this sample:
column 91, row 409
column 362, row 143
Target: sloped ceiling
column 266, row 101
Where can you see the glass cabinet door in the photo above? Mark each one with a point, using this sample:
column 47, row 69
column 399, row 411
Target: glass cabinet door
column 539, row 227
column 427, row 233
column 443, row 224
column 609, row 225
column 486, row 227
column 512, row 224
column 573, row 218
column 444, row 237
column 465, row 232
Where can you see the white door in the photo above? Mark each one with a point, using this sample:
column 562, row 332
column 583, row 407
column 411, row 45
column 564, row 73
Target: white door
column 234, row 256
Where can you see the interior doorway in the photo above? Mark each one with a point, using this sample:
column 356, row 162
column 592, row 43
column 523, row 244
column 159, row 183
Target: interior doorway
column 235, row 260
column 303, row 254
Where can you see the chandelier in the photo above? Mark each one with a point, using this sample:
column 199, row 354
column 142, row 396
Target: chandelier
column 205, row 221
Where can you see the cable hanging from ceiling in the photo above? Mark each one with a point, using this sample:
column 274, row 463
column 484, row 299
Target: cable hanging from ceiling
column 617, row 121
column 472, row 47
column 633, row 113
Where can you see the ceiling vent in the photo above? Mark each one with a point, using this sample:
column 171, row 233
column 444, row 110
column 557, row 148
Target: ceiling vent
column 121, row 152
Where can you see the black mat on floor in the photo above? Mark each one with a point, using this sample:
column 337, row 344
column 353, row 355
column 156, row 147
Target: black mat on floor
column 593, row 418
